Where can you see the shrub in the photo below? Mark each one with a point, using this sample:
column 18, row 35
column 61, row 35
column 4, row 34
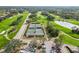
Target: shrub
column 52, row 31
column 11, row 47
column 12, row 29
column 50, row 18
column 17, row 21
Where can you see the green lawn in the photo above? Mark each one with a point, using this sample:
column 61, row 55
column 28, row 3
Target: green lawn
column 57, row 17
column 66, row 39
column 5, row 25
column 73, row 21
column 66, row 30
column 42, row 19
column 3, row 41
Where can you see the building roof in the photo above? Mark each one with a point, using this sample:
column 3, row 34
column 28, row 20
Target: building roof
column 35, row 29
column 35, row 25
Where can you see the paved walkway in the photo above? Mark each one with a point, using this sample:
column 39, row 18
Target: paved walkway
column 64, row 49
column 2, row 32
column 49, row 45
column 45, row 34
column 22, row 30
column 5, row 34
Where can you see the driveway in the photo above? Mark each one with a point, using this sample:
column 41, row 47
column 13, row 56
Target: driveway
column 48, row 45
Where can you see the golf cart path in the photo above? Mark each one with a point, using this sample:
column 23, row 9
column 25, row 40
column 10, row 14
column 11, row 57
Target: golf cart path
column 5, row 34
column 2, row 32
column 70, row 36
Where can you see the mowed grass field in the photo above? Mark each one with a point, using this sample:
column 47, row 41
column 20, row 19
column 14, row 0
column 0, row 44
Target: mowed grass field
column 66, row 39
column 73, row 21
column 5, row 25
column 3, row 41
column 11, row 35
column 70, row 38
column 66, row 30
column 42, row 19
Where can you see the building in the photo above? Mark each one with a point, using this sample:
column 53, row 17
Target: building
column 35, row 30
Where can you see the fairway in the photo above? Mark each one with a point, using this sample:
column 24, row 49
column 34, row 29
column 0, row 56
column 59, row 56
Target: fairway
column 68, row 37
column 66, row 24
column 5, row 26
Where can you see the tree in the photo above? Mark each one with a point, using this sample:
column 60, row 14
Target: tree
column 13, row 11
column 59, row 42
column 52, row 31
column 44, row 13
column 32, row 15
column 12, row 46
column 50, row 18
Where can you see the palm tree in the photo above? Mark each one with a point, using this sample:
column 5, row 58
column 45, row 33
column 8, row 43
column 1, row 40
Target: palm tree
column 58, row 42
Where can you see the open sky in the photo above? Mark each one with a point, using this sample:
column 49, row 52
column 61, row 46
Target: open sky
column 39, row 2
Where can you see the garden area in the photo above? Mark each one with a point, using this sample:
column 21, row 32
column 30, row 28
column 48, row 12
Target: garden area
column 73, row 21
